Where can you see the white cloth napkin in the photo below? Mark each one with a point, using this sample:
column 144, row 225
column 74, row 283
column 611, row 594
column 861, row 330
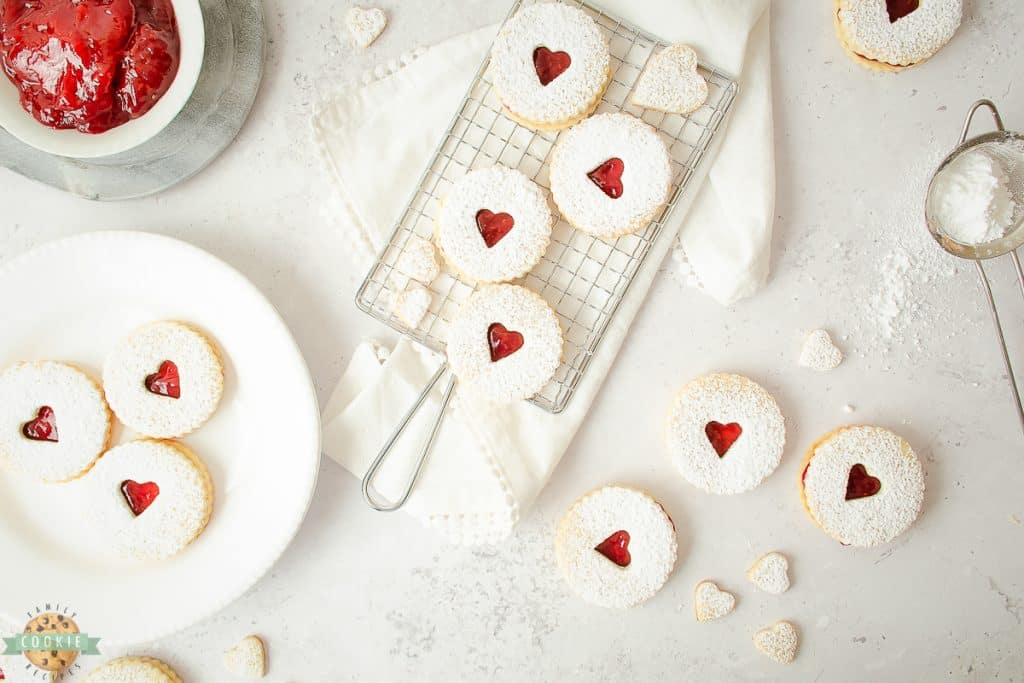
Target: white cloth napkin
column 490, row 462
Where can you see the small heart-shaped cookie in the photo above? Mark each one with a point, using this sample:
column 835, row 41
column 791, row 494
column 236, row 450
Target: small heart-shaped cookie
column 711, row 602
column 820, row 352
column 779, row 641
column 671, row 82
column 771, row 573
column 248, row 659
column 365, row 25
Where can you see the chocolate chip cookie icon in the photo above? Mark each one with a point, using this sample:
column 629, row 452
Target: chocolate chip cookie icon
column 51, row 660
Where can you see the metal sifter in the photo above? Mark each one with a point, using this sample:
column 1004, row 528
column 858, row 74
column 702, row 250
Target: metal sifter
column 1008, row 148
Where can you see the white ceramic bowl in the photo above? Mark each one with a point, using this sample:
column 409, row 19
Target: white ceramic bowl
column 72, row 143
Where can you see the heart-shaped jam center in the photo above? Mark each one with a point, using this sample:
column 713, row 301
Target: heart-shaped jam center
column 165, row 381
column 900, row 8
column 493, row 226
column 43, row 428
column 860, row 484
column 139, row 496
column 550, row 65
column 608, row 176
column 721, row 436
column 502, row 341
column 616, row 548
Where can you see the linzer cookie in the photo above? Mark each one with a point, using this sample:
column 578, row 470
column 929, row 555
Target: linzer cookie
column 54, row 422
column 164, row 380
column 133, row 670
column 494, row 225
column 616, row 547
column 671, row 82
column 550, row 65
column 505, row 343
column 863, row 485
column 725, row 433
column 892, row 35
column 610, row 175
column 150, row 499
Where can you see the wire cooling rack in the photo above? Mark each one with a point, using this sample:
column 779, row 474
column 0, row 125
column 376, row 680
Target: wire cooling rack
column 583, row 278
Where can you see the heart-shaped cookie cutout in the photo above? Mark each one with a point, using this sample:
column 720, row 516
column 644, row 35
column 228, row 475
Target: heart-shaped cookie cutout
column 779, row 641
column 819, row 352
column 771, row 573
column 248, row 659
column 502, row 341
column 616, row 548
column 608, row 177
column 365, row 25
column 860, row 484
column 897, row 9
column 711, row 602
column 139, row 496
column 43, row 427
column 493, row 226
column 722, row 436
column 671, row 82
column 550, row 65
column 165, row 381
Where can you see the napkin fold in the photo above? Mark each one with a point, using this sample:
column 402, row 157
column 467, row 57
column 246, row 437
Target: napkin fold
column 490, row 462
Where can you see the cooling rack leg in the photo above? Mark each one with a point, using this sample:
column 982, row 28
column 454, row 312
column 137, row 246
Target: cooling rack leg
column 999, row 334
column 370, row 495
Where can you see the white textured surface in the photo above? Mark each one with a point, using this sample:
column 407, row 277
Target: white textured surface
column 595, row 517
column 646, row 175
column 431, row 613
column 175, row 517
column 909, row 39
column 141, row 354
column 498, row 190
column 79, row 412
column 560, row 28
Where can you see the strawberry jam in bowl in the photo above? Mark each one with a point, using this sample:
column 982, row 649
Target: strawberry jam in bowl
column 89, row 78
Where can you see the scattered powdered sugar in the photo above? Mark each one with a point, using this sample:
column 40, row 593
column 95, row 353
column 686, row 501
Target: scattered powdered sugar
column 559, row 28
column 412, row 304
column 771, row 573
column 499, row 190
column 247, row 659
column 778, row 641
column 133, row 670
column 726, row 399
column 646, row 177
column 365, row 25
column 711, row 602
column 653, row 547
column 419, row 261
column 521, row 374
column 874, row 519
column 971, row 199
column 912, row 38
column 671, row 82
column 819, row 352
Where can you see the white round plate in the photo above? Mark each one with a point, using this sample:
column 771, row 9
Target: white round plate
column 72, row 300
column 72, row 143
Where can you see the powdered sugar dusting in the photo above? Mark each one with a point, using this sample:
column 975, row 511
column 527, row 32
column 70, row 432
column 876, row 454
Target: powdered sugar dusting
column 771, row 573
column 820, row 352
column 133, row 670
column 711, row 602
column 499, row 190
column 874, row 519
column 592, row 519
column 779, row 641
column 726, row 399
column 525, row 372
column 671, row 82
column 912, row 38
column 560, row 28
column 646, row 178
column 247, row 659
column 412, row 304
column 419, row 261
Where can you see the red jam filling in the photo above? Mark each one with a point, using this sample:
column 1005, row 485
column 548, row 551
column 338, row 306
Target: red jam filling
column 721, row 436
column 43, row 428
column 860, row 484
column 550, row 65
column 493, row 226
column 502, row 342
column 139, row 496
column 608, row 176
column 165, row 381
column 900, row 8
column 91, row 65
column 616, row 548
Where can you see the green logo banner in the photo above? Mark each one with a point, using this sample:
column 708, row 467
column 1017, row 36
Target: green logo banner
column 34, row 642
